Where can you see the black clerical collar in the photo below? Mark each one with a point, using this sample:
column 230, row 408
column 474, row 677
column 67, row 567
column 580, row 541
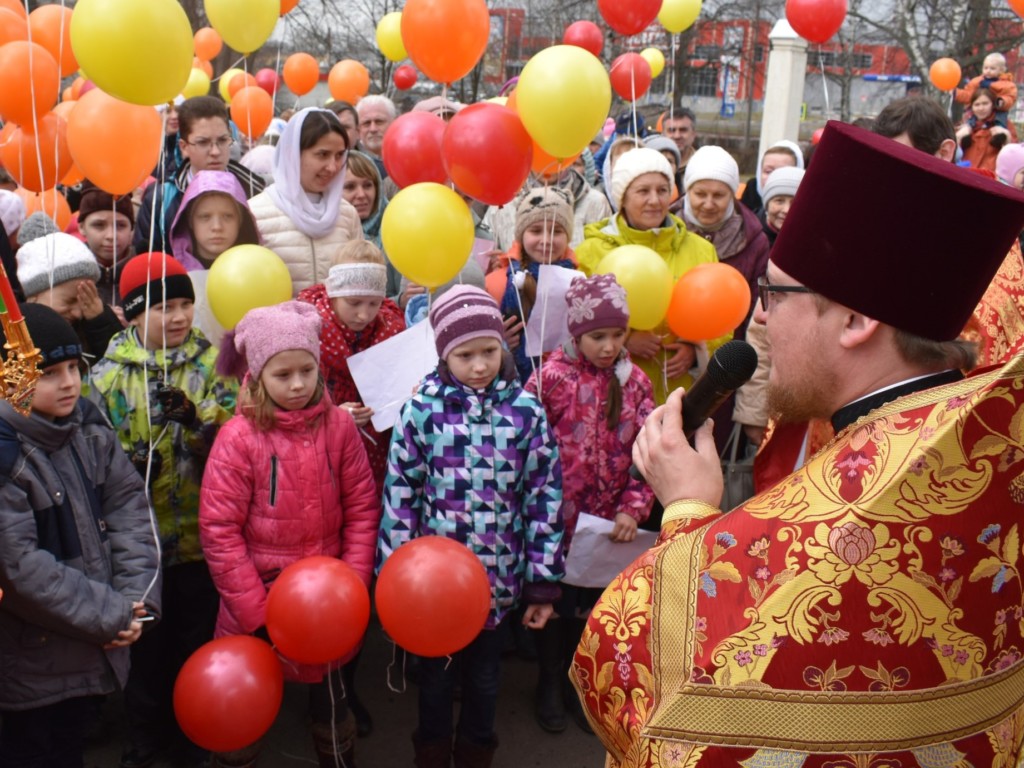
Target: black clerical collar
column 850, row 412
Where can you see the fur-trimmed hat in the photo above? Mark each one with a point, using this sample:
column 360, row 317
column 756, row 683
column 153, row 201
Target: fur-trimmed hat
column 633, row 164
column 544, row 204
column 266, row 331
column 53, row 260
column 901, row 270
column 712, row 163
column 157, row 275
column 464, row 313
column 596, row 302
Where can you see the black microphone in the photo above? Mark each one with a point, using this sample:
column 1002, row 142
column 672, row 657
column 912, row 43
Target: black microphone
column 729, row 368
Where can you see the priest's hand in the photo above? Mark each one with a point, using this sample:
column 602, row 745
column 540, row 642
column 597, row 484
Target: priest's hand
column 673, row 468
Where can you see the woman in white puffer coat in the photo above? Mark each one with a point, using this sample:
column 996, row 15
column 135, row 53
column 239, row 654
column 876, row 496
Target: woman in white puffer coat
column 302, row 216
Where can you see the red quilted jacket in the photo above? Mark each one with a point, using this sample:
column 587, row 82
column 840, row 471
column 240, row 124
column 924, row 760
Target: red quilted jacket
column 270, row 498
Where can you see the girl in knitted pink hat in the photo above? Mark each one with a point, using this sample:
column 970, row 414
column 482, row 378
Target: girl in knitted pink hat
column 287, row 479
column 596, row 400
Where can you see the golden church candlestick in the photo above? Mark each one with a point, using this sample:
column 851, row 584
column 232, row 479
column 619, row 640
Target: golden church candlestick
column 23, row 359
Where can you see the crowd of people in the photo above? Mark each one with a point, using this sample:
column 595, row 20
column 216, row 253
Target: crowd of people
column 170, row 468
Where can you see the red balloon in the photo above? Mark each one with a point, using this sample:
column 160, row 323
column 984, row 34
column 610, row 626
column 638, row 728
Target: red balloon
column 317, row 610
column 412, row 149
column 404, row 77
column 816, row 20
column 629, row 17
column 228, row 693
column 631, row 76
column 433, row 596
column 267, row 80
column 487, row 153
column 708, row 301
column 586, row 35
column 816, row 136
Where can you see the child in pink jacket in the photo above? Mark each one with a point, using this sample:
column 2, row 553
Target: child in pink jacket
column 596, row 401
column 287, row 479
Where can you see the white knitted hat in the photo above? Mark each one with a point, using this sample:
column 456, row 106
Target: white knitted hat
column 712, row 164
column 12, row 211
column 634, row 163
column 782, row 181
column 67, row 257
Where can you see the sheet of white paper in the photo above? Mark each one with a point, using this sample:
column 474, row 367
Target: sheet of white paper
column 388, row 373
column 203, row 317
column 546, row 329
column 481, row 247
column 594, row 559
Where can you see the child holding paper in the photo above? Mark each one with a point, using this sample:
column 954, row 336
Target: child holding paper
column 473, row 459
column 596, row 401
column 355, row 315
column 544, row 221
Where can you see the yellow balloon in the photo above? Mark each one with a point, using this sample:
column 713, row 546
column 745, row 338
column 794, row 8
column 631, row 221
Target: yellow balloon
column 243, row 24
column 139, row 52
column 428, row 233
column 225, row 82
column 243, row 278
column 677, row 15
column 656, row 59
column 198, row 84
column 647, row 280
column 563, row 98
column 389, row 37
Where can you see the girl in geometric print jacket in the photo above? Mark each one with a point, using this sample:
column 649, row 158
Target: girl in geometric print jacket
column 472, row 458
column 287, row 479
column 596, row 401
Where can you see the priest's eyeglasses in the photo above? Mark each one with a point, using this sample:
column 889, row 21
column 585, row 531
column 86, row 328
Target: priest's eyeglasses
column 766, row 289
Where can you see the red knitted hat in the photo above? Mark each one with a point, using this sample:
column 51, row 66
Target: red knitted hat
column 156, row 275
column 871, row 230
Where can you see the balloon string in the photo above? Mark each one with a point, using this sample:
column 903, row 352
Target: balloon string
column 632, row 104
column 394, row 646
column 277, row 69
column 35, row 117
column 672, row 78
column 233, row 65
column 824, row 83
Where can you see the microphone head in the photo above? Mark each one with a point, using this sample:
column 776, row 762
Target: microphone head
column 732, row 365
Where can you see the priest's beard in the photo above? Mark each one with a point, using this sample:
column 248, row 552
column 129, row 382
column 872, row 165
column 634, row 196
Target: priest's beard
column 810, row 397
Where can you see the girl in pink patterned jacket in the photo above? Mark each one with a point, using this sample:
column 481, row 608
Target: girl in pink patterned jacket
column 596, row 401
column 287, row 479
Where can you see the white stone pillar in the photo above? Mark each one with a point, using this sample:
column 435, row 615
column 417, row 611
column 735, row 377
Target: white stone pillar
column 784, row 85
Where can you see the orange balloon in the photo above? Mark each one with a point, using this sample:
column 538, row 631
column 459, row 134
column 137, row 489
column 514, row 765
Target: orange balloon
column 349, row 81
column 65, row 95
column 240, row 81
column 16, row 6
column 12, row 27
column 511, row 102
column 51, row 202
column 301, row 73
column 63, row 109
column 37, row 161
column 208, row 43
column 114, row 143
column 76, row 87
column 252, row 109
column 73, row 176
column 28, row 69
column 206, row 66
column 287, row 5
column 546, row 165
column 445, row 38
column 51, row 28
column 945, row 74
column 708, row 301
column 1017, row 6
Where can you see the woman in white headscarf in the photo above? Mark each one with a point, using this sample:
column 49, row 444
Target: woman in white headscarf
column 781, row 154
column 303, row 216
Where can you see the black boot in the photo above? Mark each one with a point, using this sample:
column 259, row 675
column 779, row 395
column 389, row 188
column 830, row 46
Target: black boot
column 432, row 754
column 335, row 744
column 364, row 723
column 242, row 758
column 469, row 755
column 550, row 705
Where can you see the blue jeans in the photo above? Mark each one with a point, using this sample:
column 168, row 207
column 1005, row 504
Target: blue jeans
column 479, row 665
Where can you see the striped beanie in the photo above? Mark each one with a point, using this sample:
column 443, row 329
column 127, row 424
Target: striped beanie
column 462, row 314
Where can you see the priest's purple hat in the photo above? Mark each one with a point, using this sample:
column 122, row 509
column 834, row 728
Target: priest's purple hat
column 879, row 227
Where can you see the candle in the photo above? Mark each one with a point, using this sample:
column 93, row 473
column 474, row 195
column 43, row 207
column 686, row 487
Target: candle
column 7, row 295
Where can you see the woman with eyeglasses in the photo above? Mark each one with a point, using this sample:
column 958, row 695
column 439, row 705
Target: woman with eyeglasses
column 303, row 216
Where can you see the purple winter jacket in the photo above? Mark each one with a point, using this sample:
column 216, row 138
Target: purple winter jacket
column 206, row 182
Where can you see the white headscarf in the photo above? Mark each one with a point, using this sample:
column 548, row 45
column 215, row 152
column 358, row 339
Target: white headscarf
column 792, row 146
column 313, row 219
